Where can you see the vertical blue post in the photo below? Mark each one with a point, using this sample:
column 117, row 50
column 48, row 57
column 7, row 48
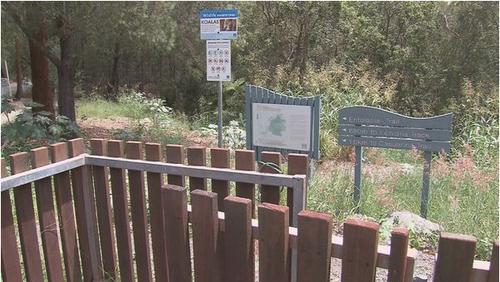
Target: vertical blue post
column 357, row 174
column 425, row 189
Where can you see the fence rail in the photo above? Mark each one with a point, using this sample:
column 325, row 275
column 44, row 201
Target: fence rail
column 101, row 227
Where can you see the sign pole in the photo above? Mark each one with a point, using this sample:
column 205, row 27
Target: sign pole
column 425, row 189
column 219, row 90
column 357, row 175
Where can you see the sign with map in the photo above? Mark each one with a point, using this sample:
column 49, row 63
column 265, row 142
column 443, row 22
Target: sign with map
column 281, row 126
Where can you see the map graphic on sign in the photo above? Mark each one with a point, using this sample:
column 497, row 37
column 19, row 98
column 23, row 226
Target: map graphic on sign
column 281, row 126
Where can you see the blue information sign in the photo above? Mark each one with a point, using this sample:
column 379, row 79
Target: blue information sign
column 218, row 24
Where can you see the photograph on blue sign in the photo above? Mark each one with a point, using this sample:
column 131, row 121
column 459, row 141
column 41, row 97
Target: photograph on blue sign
column 218, row 24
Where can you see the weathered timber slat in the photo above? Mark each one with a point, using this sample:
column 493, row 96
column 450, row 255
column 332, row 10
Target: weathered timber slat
column 26, row 222
column 360, row 251
column 455, row 258
column 121, row 212
column 219, row 158
column 139, row 214
column 493, row 274
column 297, row 165
column 98, row 147
column 11, row 264
column 270, row 194
column 399, row 252
column 155, row 182
column 176, row 232
column 394, row 132
column 375, row 116
column 197, row 156
column 67, row 224
column 274, row 251
column 175, row 155
column 313, row 246
column 238, row 240
column 245, row 160
column 47, row 218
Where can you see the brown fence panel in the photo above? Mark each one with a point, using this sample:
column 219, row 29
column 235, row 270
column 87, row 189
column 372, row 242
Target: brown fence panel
column 197, row 156
column 175, row 155
column 67, row 227
column 245, row 160
column 47, row 217
column 28, row 234
column 360, row 251
column 274, row 254
column 397, row 258
column 270, row 194
column 219, row 158
column 238, row 240
column 314, row 246
column 155, row 182
column 103, row 203
column 11, row 264
column 493, row 275
column 205, row 224
column 139, row 214
column 120, row 207
column 297, row 164
column 455, row 257
column 83, row 192
column 176, row 232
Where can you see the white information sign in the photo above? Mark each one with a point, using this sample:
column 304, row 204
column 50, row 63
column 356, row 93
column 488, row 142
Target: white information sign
column 218, row 60
column 281, row 126
column 218, row 24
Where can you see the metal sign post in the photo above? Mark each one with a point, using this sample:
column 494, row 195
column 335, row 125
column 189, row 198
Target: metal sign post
column 218, row 27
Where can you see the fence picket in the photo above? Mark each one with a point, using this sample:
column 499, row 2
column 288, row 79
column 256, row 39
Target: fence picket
column 274, row 255
column 176, row 232
column 139, row 214
column 493, row 275
column 455, row 257
column 297, row 164
column 238, row 240
column 270, row 194
column 314, row 246
column 25, row 212
column 11, row 264
column 103, row 204
column 245, row 160
column 175, row 155
column 360, row 251
column 399, row 251
column 219, row 157
column 197, row 156
column 205, row 224
column 155, row 182
column 67, row 225
column 120, row 208
column 47, row 217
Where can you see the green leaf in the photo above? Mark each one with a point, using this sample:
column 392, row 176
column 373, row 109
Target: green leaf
column 31, row 104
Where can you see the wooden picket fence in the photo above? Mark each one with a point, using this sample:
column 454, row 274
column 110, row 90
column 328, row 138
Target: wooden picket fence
column 114, row 219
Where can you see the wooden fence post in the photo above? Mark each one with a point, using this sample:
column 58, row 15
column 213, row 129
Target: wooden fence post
column 245, row 160
column 139, row 214
column 274, row 251
column 297, row 164
column 205, row 224
column 397, row 258
column 155, row 182
column 98, row 147
column 175, row 155
column 314, row 246
column 219, row 158
column 270, row 194
column 121, row 212
column 11, row 264
column 67, row 226
column 239, row 242
column 493, row 275
column 360, row 251
column 25, row 212
column 455, row 257
column 175, row 215
column 83, row 192
column 197, row 156
column 47, row 217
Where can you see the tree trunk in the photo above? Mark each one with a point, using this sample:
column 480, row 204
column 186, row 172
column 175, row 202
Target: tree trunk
column 19, row 92
column 113, row 81
column 42, row 91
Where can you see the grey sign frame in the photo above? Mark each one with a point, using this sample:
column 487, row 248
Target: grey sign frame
column 365, row 126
